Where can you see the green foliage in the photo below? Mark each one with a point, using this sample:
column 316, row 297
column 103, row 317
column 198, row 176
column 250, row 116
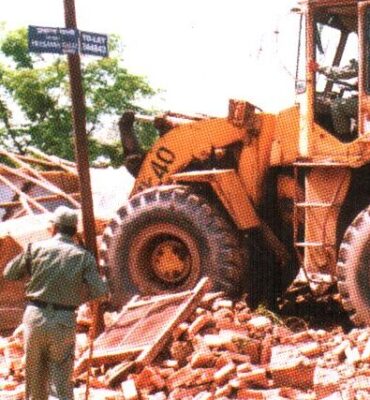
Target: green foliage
column 34, row 90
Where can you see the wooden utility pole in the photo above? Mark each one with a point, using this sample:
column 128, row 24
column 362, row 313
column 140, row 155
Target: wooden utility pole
column 80, row 136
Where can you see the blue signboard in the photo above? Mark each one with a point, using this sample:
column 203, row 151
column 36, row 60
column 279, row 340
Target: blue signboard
column 43, row 39
column 94, row 44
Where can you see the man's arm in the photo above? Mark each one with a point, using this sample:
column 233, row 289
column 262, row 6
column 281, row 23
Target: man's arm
column 97, row 287
column 347, row 72
column 16, row 269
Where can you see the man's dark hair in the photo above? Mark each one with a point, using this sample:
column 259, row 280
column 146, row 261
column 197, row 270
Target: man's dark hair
column 66, row 230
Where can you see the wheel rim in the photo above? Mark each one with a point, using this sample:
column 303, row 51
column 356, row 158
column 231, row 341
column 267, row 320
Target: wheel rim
column 164, row 256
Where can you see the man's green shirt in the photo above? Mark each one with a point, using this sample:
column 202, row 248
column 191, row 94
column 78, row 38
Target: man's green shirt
column 60, row 271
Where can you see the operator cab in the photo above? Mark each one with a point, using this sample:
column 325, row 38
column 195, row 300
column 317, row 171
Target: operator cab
column 335, row 67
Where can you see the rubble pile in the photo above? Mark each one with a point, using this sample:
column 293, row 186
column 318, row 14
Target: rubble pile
column 224, row 351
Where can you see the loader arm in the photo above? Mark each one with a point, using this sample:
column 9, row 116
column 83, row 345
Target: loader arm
column 183, row 144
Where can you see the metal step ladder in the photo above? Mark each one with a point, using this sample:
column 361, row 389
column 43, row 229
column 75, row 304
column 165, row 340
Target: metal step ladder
column 301, row 205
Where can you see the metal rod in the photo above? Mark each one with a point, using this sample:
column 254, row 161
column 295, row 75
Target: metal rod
column 80, row 136
column 82, row 159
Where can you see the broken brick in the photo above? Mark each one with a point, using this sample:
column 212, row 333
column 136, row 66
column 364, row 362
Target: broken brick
column 296, row 372
column 224, row 373
column 259, row 323
column 183, row 377
column 129, row 390
column 181, row 350
column 203, row 359
column 199, row 323
column 256, row 376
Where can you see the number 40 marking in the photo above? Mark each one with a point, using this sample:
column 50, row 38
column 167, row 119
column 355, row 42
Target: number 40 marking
column 163, row 158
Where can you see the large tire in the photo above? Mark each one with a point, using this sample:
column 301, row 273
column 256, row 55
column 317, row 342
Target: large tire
column 354, row 269
column 164, row 240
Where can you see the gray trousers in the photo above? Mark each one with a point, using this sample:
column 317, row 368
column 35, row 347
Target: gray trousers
column 49, row 347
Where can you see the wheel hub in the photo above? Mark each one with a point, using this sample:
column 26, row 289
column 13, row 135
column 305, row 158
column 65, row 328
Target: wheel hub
column 171, row 261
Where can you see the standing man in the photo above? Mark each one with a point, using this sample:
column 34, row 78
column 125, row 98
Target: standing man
column 57, row 269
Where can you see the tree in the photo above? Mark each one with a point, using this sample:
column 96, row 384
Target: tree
column 35, row 105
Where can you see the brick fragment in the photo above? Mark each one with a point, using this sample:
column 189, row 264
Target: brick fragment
column 166, row 372
column 180, row 330
column 218, row 340
column 259, row 323
column 224, row 391
column 339, row 350
column 365, row 356
column 225, row 323
column 311, row 349
column 149, row 378
column 181, row 350
column 129, row 390
column 157, row 396
column 245, row 367
column 244, row 315
column 18, row 393
column 296, row 372
column 14, row 355
column 183, row 377
column 326, row 382
column 207, row 376
column 256, row 377
column 170, row 364
column 203, row 396
column 352, row 355
column 361, row 383
column 266, row 346
column 203, row 359
column 224, row 373
column 239, row 358
column 244, row 343
column 223, row 359
column 298, row 337
column 184, row 393
column 222, row 303
column 253, row 394
column 199, row 323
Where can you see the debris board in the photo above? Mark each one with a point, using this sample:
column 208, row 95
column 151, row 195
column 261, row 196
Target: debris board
column 143, row 328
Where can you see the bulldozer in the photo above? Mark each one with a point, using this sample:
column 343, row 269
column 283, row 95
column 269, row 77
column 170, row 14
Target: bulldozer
column 255, row 199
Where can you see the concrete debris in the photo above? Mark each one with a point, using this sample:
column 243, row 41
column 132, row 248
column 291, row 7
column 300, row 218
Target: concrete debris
column 253, row 358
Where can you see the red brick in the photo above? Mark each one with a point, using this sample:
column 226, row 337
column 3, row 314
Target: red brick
column 266, row 346
column 256, row 377
column 183, row 377
column 311, row 349
column 253, row 394
column 203, row 359
column 296, row 372
column 207, row 376
column 224, row 373
column 199, row 323
column 326, row 382
column 149, row 378
column 224, row 391
column 181, row 350
column 365, row 356
column 259, row 323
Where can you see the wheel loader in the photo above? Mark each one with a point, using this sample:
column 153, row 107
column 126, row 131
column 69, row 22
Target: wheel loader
column 255, row 198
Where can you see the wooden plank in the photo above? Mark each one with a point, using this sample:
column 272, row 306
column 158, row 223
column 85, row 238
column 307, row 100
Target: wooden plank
column 39, row 199
column 115, row 374
column 185, row 310
column 160, row 298
column 43, row 182
column 141, row 330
